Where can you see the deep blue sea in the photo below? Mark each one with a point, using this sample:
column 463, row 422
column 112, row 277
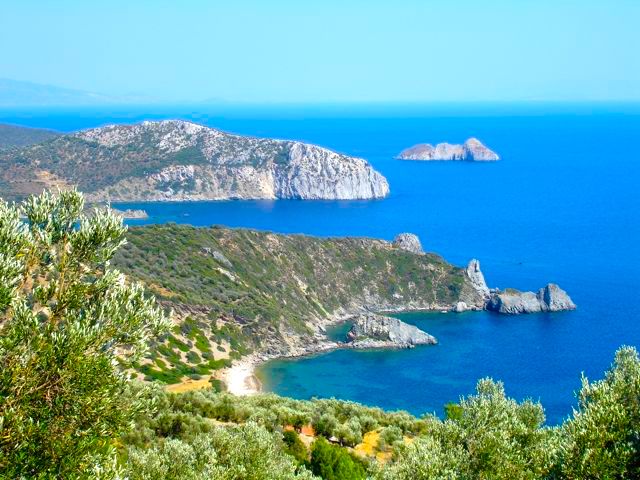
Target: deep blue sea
column 563, row 205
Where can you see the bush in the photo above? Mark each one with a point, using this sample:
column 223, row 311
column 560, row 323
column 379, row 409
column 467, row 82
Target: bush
column 388, row 436
column 294, row 446
column 334, row 463
column 248, row 452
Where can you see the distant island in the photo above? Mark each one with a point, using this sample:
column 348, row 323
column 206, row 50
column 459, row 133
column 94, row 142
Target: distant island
column 470, row 151
column 175, row 160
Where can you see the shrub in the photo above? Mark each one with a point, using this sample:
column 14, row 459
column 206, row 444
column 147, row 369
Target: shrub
column 69, row 323
column 334, row 463
column 217, row 455
column 294, row 446
column 388, row 436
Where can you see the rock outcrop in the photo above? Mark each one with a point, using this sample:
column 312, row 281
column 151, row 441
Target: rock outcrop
column 175, row 160
column 470, row 151
column 548, row 299
column 371, row 330
column 131, row 214
column 409, row 242
column 476, row 277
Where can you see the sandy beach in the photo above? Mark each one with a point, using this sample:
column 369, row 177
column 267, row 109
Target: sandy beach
column 240, row 378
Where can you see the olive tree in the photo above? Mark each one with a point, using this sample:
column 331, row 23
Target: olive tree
column 602, row 440
column 427, row 459
column 70, row 328
column 245, row 452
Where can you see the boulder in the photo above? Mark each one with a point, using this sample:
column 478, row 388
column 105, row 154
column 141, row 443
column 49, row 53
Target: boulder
column 461, row 307
column 409, row 242
column 371, row 330
column 218, row 256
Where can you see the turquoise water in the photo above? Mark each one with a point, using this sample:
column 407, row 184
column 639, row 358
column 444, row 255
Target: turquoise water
column 562, row 206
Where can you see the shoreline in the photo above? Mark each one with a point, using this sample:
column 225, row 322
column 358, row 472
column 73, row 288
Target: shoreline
column 240, row 377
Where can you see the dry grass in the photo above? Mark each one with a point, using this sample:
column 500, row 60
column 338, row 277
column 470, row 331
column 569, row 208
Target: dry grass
column 189, row 385
column 369, row 445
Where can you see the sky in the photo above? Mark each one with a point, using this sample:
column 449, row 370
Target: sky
column 328, row 51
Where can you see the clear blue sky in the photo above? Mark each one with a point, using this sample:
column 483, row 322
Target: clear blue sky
column 302, row 51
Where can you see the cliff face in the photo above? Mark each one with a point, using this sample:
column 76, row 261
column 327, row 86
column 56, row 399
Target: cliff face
column 470, row 151
column 177, row 160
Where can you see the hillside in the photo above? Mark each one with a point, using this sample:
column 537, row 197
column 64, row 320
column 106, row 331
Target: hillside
column 176, row 160
column 237, row 290
column 18, row 136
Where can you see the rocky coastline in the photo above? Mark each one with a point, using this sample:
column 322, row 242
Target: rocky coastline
column 176, row 160
column 378, row 331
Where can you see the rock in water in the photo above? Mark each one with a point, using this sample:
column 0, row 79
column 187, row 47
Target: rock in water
column 131, row 214
column 554, row 299
column 548, row 299
column 409, row 242
column 461, row 307
column 470, row 151
column 378, row 331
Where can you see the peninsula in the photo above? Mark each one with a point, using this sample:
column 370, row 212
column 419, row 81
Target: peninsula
column 175, row 160
column 470, row 151
column 242, row 297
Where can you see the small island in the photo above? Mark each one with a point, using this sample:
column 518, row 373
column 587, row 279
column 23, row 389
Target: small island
column 473, row 150
column 131, row 214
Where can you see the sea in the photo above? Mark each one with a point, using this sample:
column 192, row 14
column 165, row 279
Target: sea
column 562, row 205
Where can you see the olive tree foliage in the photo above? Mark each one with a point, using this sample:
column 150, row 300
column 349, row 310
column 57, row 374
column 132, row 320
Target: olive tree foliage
column 427, row 459
column 602, row 440
column 70, row 326
column 491, row 437
column 503, row 438
column 246, row 452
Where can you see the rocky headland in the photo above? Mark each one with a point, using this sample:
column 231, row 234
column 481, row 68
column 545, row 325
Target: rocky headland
column 175, row 160
column 470, row 151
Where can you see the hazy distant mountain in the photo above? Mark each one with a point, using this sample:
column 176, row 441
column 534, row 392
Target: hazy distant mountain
column 17, row 136
column 15, row 93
